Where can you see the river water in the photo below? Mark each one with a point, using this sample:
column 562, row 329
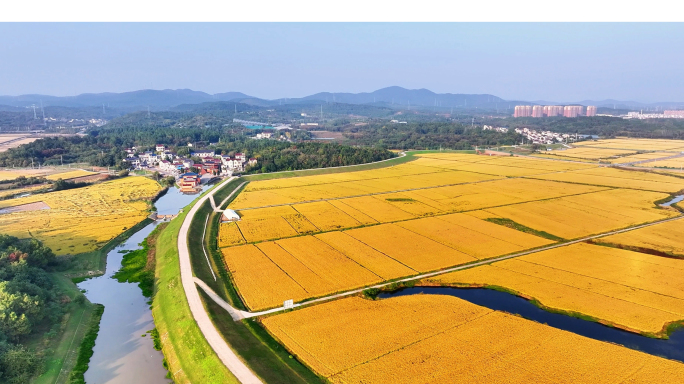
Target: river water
column 502, row 301
column 120, row 354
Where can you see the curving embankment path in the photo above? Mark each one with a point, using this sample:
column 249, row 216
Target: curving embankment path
column 217, row 343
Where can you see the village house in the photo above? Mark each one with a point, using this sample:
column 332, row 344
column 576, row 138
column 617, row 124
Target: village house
column 167, row 155
column 160, row 148
column 202, row 153
column 188, row 182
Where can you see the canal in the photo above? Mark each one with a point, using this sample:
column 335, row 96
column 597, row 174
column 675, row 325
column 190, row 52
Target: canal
column 121, row 354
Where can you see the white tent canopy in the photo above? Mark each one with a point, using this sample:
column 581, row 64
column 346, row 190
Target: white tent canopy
column 229, row 215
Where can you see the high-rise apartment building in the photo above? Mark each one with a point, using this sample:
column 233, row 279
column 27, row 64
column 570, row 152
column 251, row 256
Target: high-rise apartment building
column 591, row 110
column 537, row 111
column 553, row 110
column 523, row 111
column 573, row 110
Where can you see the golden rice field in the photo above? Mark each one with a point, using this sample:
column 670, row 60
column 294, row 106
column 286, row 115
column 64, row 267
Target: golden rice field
column 277, row 222
column 441, row 339
column 70, row 174
column 10, row 174
column 640, row 157
column 637, row 144
column 618, row 178
column 425, row 172
column 313, row 236
column 9, row 192
column 677, row 163
column 363, row 256
column 591, row 153
column 631, row 290
column 229, row 235
column 665, row 237
column 582, row 215
column 83, row 219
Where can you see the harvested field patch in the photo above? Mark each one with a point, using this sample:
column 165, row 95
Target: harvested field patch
column 38, row 205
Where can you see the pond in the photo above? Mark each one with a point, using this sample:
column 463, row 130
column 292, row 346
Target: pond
column 120, row 354
column 502, row 301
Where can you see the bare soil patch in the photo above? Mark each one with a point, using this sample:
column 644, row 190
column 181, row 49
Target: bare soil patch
column 38, row 205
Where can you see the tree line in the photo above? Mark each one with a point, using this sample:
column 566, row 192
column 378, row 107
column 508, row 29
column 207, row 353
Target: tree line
column 30, row 303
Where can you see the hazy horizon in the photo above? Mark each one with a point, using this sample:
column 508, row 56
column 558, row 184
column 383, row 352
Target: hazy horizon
column 515, row 61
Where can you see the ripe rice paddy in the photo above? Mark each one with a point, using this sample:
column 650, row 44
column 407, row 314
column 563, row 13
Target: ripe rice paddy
column 436, row 339
column 637, row 144
column 631, row 290
column 665, row 237
column 313, row 236
column 82, row 219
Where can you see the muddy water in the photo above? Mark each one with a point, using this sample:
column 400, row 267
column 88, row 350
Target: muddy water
column 121, row 355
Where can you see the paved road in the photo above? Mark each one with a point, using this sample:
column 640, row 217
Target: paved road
column 238, row 314
column 217, row 343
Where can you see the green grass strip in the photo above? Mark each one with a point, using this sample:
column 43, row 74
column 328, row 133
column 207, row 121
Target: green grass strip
column 85, row 351
column 519, row 227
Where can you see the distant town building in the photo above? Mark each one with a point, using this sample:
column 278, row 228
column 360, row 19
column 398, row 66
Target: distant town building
column 674, row 114
column 537, row 111
column 497, row 129
column 553, row 110
column 591, row 110
column 522, row 111
column 573, row 110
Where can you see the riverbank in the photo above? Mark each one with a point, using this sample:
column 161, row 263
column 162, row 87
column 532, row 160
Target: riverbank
column 187, row 355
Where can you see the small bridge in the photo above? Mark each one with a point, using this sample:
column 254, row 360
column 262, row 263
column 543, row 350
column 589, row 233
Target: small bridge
column 158, row 217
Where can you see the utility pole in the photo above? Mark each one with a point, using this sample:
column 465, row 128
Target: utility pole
column 321, row 112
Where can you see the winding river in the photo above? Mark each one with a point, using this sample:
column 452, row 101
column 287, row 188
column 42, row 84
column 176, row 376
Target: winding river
column 121, row 354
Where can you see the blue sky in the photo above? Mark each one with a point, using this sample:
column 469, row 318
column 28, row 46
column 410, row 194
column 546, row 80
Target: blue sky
column 516, row 61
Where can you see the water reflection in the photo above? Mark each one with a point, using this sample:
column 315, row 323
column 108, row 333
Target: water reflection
column 121, row 355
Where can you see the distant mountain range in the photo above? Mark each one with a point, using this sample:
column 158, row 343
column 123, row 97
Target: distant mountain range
column 396, row 97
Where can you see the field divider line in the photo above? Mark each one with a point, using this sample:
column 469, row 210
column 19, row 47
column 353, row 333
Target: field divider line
column 246, row 314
